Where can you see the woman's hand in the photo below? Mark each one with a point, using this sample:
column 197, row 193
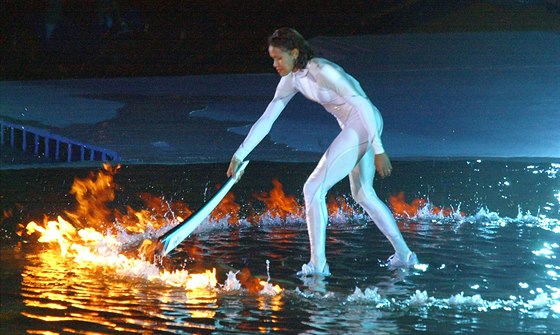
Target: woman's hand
column 233, row 167
column 383, row 165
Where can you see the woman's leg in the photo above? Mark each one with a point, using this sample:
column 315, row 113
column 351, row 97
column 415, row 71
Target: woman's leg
column 338, row 161
column 361, row 185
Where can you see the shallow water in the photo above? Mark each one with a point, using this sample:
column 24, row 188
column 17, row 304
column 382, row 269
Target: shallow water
column 489, row 265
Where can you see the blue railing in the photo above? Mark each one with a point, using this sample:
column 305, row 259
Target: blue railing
column 43, row 143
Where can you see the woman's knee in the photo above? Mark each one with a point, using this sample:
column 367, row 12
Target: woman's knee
column 310, row 190
column 363, row 193
column 314, row 192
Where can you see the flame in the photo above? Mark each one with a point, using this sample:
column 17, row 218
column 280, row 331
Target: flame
column 252, row 284
column 90, row 235
column 339, row 206
column 401, row 208
column 278, row 204
column 159, row 213
column 60, row 232
column 202, row 280
column 404, row 209
column 7, row 213
column 227, row 208
column 92, row 195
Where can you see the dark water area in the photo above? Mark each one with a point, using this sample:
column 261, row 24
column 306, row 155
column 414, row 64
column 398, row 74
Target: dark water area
column 489, row 264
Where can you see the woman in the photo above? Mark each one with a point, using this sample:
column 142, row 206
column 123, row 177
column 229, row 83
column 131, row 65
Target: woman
column 356, row 152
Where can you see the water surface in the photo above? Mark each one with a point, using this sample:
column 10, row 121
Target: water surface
column 486, row 233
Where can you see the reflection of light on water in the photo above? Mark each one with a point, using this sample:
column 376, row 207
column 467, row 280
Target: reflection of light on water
column 59, row 291
column 422, row 267
column 546, row 251
column 200, row 297
column 551, row 171
column 556, row 307
column 273, row 304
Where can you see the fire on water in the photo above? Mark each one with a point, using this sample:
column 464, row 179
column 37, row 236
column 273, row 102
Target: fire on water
column 94, row 234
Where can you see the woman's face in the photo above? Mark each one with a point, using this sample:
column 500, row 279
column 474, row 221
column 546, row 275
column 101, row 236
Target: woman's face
column 283, row 60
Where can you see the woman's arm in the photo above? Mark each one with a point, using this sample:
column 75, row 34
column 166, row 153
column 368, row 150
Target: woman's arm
column 284, row 93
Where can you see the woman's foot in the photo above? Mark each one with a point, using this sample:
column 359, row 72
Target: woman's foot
column 396, row 261
column 309, row 269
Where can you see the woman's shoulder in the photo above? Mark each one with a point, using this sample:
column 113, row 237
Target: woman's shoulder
column 320, row 62
column 318, row 65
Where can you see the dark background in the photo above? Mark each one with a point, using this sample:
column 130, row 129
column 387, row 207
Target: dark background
column 59, row 39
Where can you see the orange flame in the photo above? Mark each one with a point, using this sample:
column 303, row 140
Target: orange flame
column 227, row 208
column 79, row 235
column 252, row 284
column 92, row 195
column 278, row 204
column 339, row 205
column 60, row 232
column 401, row 208
column 159, row 213
column 404, row 209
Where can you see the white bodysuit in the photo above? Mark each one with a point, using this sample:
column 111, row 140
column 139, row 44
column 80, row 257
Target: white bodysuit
column 351, row 152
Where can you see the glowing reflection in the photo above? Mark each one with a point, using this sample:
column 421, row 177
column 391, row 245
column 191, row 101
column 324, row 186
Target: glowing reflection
column 274, row 304
column 202, row 303
column 56, row 289
column 556, row 308
column 543, row 252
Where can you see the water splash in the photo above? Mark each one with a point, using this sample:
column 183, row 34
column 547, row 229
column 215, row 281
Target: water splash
column 231, row 283
column 541, row 303
column 268, row 288
column 368, row 295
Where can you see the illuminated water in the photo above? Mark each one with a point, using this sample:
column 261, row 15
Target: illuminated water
column 493, row 269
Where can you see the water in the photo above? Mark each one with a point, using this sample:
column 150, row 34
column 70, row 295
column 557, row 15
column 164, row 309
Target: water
column 489, row 259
